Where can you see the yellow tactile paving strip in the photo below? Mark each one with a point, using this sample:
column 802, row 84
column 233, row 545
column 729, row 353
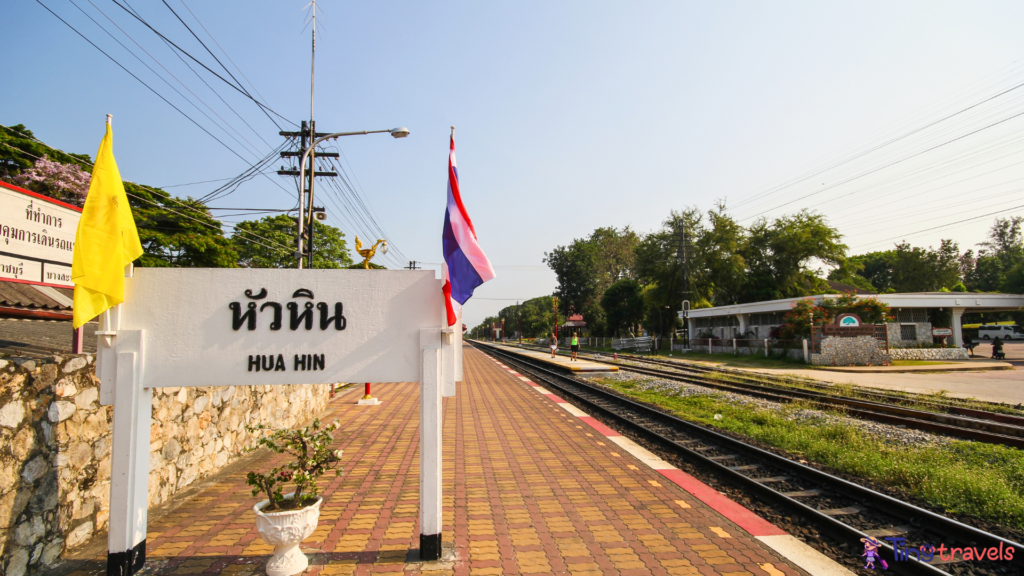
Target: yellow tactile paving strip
column 528, row 490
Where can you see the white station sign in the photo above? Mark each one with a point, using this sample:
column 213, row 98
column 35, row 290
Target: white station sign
column 220, row 327
column 37, row 237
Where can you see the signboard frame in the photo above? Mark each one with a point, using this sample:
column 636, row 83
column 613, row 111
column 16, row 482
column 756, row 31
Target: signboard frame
column 37, row 231
column 405, row 307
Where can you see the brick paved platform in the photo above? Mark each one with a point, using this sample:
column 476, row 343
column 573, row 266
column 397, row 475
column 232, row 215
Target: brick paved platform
column 529, row 489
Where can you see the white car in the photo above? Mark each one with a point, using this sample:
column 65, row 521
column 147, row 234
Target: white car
column 1005, row 332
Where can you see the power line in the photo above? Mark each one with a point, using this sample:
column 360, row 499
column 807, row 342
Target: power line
column 139, row 80
column 168, row 197
column 193, row 58
column 251, row 148
column 945, row 225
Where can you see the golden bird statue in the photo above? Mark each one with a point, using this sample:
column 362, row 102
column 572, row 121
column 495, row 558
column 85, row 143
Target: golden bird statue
column 368, row 253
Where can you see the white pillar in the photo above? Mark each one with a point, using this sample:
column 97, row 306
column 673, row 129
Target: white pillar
column 765, row 347
column 807, row 358
column 743, row 318
column 958, row 335
column 430, row 445
column 734, row 346
column 129, row 466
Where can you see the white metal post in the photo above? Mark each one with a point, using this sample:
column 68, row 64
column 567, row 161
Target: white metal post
column 129, row 476
column 430, row 445
column 765, row 347
column 734, row 351
column 807, row 357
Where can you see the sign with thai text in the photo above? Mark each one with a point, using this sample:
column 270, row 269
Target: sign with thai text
column 37, row 237
column 223, row 327
column 942, row 331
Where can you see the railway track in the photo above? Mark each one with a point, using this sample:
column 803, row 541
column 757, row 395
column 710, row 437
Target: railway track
column 978, row 425
column 843, row 510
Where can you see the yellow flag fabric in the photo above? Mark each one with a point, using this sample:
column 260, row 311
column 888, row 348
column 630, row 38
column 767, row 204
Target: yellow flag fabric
column 106, row 240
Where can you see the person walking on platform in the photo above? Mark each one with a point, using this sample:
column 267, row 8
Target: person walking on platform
column 554, row 345
column 574, row 346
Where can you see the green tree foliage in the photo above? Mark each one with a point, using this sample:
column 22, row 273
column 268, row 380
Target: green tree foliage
column 588, row 266
column 905, row 269
column 999, row 266
column 177, row 233
column 536, row 315
column 19, row 151
column 174, row 232
column 268, row 243
column 778, row 254
column 797, row 322
column 623, row 305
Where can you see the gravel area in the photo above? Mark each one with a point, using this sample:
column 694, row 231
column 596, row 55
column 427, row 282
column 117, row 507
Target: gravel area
column 894, row 435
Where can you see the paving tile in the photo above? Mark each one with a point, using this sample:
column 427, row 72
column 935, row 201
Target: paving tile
column 528, row 490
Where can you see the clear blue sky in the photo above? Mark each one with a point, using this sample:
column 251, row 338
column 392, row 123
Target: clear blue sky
column 570, row 115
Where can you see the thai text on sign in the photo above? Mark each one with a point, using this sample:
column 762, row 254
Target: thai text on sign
column 37, row 237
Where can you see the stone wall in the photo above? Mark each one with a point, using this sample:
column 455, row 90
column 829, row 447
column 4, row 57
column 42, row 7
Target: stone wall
column 55, row 449
column 859, row 351
column 924, row 334
column 928, row 354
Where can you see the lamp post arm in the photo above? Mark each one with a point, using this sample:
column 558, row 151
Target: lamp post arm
column 302, row 177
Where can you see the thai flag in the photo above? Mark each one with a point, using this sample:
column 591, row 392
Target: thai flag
column 465, row 265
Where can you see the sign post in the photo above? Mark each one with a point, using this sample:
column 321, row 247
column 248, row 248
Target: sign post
column 225, row 327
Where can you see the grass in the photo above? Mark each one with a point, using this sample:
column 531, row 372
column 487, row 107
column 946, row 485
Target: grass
column 984, row 480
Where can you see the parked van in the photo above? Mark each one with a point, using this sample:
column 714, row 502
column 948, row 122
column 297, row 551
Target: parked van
column 1005, row 332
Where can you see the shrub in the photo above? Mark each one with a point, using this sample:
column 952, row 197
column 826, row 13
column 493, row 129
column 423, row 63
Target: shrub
column 311, row 448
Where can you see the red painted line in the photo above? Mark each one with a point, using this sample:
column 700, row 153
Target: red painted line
column 599, row 426
column 556, row 399
column 735, row 513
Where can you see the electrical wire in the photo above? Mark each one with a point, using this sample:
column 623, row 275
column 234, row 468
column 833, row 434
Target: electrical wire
column 150, row 88
column 251, row 148
column 193, row 58
column 168, row 197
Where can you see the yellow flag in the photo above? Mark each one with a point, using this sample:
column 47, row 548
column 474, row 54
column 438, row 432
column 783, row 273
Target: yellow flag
column 106, row 240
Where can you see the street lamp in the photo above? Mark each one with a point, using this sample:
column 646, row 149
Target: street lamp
column 401, row 132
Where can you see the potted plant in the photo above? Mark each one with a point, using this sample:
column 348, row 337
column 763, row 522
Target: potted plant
column 285, row 520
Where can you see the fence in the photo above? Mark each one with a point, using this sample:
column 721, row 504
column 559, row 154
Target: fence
column 642, row 344
column 796, row 349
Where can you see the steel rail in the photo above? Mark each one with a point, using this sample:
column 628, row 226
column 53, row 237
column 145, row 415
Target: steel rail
column 969, row 428
column 952, row 409
column 835, row 528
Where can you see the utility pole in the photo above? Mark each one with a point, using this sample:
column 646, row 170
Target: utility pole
column 684, row 277
column 307, row 134
column 412, row 265
column 519, row 315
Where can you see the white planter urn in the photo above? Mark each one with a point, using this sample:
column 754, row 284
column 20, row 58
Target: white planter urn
column 284, row 531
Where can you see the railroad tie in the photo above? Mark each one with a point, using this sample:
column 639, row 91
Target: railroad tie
column 747, row 467
column 843, row 511
column 771, row 479
column 803, row 493
column 883, row 532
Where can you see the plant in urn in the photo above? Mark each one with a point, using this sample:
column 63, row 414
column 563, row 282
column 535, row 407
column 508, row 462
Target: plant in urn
column 285, row 520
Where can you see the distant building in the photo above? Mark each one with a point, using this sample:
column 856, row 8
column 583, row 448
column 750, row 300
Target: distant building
column 911, row 325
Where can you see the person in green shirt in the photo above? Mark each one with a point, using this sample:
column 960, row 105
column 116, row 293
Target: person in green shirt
column 574, row 346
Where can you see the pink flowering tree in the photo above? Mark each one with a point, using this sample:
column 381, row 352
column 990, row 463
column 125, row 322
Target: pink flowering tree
column 64, row 182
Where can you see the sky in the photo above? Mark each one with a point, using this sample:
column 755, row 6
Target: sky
column 894, row 120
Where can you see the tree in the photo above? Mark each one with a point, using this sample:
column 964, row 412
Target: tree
column 797, row 322
column 623, row 304
column 174, row 232
column 268, row 242
column 777, row 256
column 65, row 182
column 999, row 266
